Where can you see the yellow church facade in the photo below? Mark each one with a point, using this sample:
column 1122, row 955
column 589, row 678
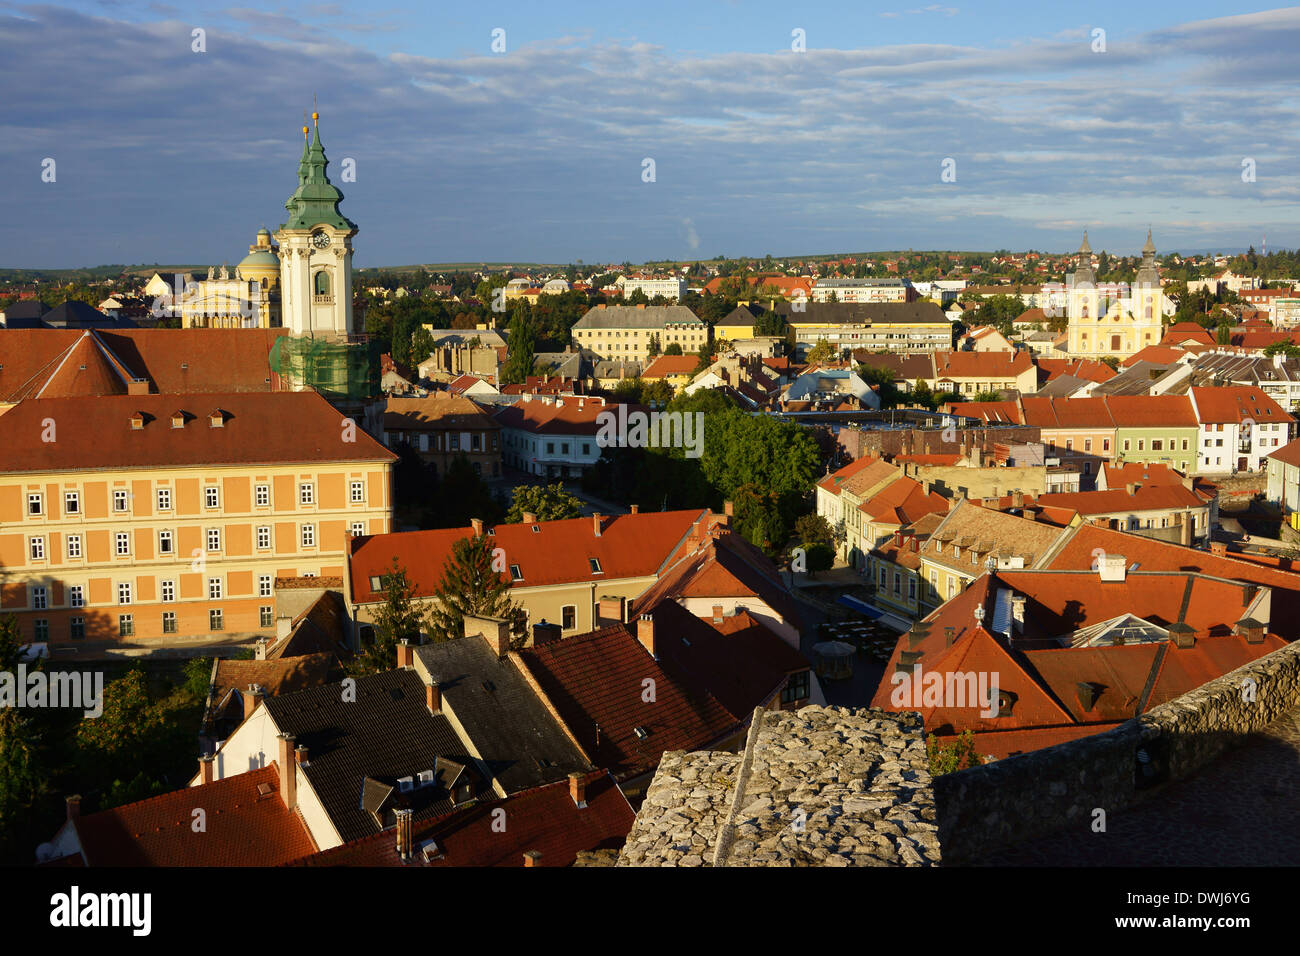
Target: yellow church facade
column 1114, row 319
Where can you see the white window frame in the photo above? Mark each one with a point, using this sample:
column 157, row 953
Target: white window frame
column 211, row 496
column 121, row 538
column 216, row 589
column 164, row 499
column 72, row 498
column 264, row 588
column 357, row 492
column 36, row 548
column 167, row 591
column 35, row 497
column 165, row 534
column 307, row 535
column 40, row 597
column 260, row 492
column 124, row 588
column 76, row 595
column 306, row 492
column 264, row 533
column 121, row 497
column 208, row 539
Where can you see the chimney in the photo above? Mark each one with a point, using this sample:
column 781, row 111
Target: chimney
column 919, row 632
column 73, row 806
column 1218, row 549
column 259, row 653
column 403, row 834
column 433, row 697
column 477, row 524
column 610, row 609
column 949, row 636
column 493, row 629
column 1251, row 629
column 1111, row 567
column 1182, row 634
column 207, row 766
column 252, row 697
column 530, row 518
column 729, row 509
column 405, row 654
column 898, row 538
column 1031, row 514
column 288, row 773
column 532, row 856
column 1131, row 488
column 544, row 633
column 1017, row 499
column 645, row 633
column 717, row 614
column 595, row 522
column 300, row 754
column 578, row 789
column 1185, row 531
column 914, row 544
column 636, row 509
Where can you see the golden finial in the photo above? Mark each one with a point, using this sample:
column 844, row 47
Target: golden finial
column 304, row 124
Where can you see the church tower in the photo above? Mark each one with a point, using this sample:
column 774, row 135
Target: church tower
column 316, row 251
column 1082, row 305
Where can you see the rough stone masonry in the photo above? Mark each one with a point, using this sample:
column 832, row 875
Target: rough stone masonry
column 821, row 786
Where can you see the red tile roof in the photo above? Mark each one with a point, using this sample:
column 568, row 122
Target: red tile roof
column 245, row 827
column 1159, row 354
column 981, row 364
column 96, row 433
column 173, row 361
column 987, row 411
column 543, row 819
column 1236, row 404
column 1087, row 369
column 1186, row 332
column 1288, row 454
column 566, row 416
column 1150, row 411
column 597, row 684
column 629, row 546
column 666, row 365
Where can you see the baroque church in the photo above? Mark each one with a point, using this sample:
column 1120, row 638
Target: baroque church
column 1114, row 319
column 302, row 284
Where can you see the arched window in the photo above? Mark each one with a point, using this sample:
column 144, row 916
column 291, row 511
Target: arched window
column 322, row 283
column 1085, row 310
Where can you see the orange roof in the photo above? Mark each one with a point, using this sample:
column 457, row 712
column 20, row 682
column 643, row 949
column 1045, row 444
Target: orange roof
column 987, row 411
column 572, row 415
column 1159, row 354
column 1149, row 497
column 1044, row 412
column 1186, row 332
column 981, row 364
column 1151, row 411
column 246, row 826
column 1288, row 454
column 97, row 433
column 1236, row 404
column 558, row 552
column 835, row 479
column 666, row 365
column 1085, row 369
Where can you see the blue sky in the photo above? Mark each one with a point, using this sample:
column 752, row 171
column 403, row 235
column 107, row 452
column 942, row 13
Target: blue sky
column 466, row 154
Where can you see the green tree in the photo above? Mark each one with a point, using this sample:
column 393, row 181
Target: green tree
column 988, row 395
column 923, row 395
column 674, row 348
column 705, row 359
column 545, row 502
column 129, row 719
column 521, row 348
column 399, row 617
column 652, row 348
column 818, row 557
column 23, row 779
column 959, row 755
column 814, row 529
column 823, row 351
column 198, row 677
column 475, row 582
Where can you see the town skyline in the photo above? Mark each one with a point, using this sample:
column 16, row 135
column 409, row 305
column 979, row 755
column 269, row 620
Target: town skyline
column 462, row 155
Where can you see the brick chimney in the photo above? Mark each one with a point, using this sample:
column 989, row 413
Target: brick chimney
column 596, row 519
column 1182, row 634
column 530, row 518
column 949, row 636
column 532, row 856
column 1218, row 549
column 433, row 697
column 73, row 804
column 288, row 773
column 404, row 840
column 544, row 633
column 578, row 789
column 405, row 654
column 635, row 509
column 717, row 614
column 207, row 766
column 729, row 509
column 1017, row 499
column 1251, row 629
column 252, row 697
column 477, row 524
column 610, row 609
column 301, row 754
column 645, row 633
column 1112, row 567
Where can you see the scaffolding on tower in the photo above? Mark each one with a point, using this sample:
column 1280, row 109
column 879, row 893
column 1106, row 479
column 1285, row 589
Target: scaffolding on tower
column 341, row 369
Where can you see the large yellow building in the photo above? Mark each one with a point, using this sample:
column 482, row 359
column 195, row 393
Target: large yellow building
column 147, row 517
column 1112, row 319
column 249, row 299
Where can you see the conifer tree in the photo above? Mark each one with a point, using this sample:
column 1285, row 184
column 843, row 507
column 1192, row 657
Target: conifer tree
column 475, row 582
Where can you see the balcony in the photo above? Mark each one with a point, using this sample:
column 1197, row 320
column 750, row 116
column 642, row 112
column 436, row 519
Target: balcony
column 322, row 300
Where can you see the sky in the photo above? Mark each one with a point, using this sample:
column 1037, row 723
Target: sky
column 492, row 132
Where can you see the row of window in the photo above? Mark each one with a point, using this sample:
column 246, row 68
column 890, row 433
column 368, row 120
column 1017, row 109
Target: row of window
column 126, row 624
column 40, row 595
column 211, row 498
column 167, row 541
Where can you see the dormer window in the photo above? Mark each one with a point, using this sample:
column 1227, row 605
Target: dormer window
column 178, row 419
column 137, row 421
column 595, row 565
column 515, row 573
column 217, row 419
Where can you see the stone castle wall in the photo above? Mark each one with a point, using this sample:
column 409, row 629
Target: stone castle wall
column 994, row 806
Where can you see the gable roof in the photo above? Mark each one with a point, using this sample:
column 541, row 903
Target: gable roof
column 384, row 733
column 246, row 826
column 432, row 414
column 494, row 706
column 96, row 433
column 596, row 683
column 1236, row 404
column 543, row 819
column 558, row 552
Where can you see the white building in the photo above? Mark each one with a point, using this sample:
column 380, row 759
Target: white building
column 669, row 287
column 863, row 290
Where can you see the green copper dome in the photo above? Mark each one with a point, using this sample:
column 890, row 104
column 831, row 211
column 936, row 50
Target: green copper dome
column 260, row 260
column 316, row 200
